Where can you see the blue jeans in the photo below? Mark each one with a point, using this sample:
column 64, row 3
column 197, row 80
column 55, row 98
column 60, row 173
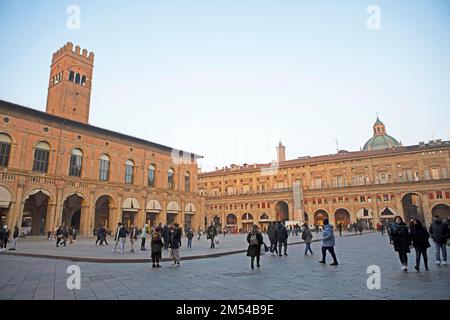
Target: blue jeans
column 439, row 247
column 308, row 248
column 189, row 244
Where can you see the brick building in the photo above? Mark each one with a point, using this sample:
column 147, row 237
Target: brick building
column 375, row 184
column 59, row 170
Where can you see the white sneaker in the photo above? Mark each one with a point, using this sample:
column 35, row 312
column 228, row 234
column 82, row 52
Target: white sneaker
column 444, row 263
column 438, row 263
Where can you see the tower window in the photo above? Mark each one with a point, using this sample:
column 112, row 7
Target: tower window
column 71, row 76
column 83, row 80
column 77, row 78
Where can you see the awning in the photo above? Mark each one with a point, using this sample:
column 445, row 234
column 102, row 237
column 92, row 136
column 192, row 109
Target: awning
column 130, row 204
column 173, row 207
column 190, row 208
column 153, row 206
column 5, row 197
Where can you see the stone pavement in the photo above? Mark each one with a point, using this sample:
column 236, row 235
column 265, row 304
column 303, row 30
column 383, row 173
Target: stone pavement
column 230, row 277
column 85, row 249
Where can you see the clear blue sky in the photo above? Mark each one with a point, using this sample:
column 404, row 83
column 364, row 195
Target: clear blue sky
column 229, row 78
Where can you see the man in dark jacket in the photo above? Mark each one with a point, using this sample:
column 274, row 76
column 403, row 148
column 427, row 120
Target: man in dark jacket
column 271, row 232
column 282, row 237
column 166, row 236
column 439, row 234
column 174, row 243
column 211, row 233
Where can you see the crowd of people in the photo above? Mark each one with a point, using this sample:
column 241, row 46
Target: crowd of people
column 416, row 235
column 168, row 238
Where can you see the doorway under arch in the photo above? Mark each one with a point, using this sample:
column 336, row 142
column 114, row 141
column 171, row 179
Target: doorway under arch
column 412, row 207
column 319, row 216
column 282, row 211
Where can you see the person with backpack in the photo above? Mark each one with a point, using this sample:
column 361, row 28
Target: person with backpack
column 307, row 237
column 439, row 234
column 156, row 245
column 255, row 241
column 401, row 240
column 419, row 237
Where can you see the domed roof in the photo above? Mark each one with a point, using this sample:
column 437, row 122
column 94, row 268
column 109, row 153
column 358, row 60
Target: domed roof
column 381, row 142
column 380, row 139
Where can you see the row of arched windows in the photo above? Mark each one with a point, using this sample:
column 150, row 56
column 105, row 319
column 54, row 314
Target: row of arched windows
column 77, row 78
column 57, row 78
column 42, row 157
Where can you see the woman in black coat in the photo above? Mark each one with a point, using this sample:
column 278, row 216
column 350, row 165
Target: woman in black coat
column 255, row 240
column 419, row 237
column 401, row 239
column 156, row 246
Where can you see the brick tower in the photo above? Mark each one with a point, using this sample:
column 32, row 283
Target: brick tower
column 70, row 84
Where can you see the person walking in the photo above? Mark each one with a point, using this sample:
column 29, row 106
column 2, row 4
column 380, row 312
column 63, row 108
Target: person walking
column 255, row 241
column 97, row 232
column 4, row 236
column 282, row 238
column 144, row 237
column 307, row 237
column 133, row 237
column 174, row 244
column 156, row 245
column 116, row 237
column 328, row 243
column 360, row 228
column 382, row 228
column 14, row 238
column 211, row 233
column 59, row 235
column 122, row 236
column 419, row 237
column 74, row 235
column 189, row 236
column 439, row 233
column 271, row 232
column 401, row 239
column 65, row 236
column 340, row 228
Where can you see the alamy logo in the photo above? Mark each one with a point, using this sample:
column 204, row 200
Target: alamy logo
column 74, row 280
column 374, row 280
column 374, row 20
column 74, row 20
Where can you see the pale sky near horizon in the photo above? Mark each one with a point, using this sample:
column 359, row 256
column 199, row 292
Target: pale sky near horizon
column 229, row 79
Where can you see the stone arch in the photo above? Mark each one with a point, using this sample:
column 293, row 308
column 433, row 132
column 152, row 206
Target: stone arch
column 103, row 206
column 412, row 206
column 72, row 205
column 282, row 211
column 34, row 218
column 441, row 209
column 319, row 216
column 342, row 215
column 5, row 202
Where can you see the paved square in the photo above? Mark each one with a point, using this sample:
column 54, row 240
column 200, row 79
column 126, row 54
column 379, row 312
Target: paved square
column 230, row 277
